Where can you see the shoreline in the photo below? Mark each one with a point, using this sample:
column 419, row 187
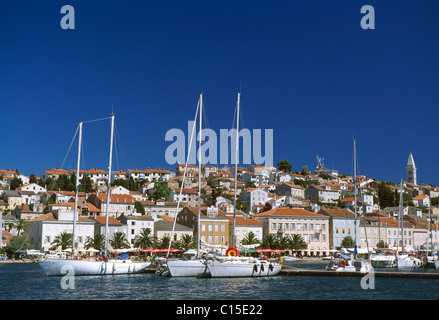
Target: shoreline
column 17, row 261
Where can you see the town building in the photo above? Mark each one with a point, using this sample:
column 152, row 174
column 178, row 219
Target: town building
column 286, row 222
column 342, row 223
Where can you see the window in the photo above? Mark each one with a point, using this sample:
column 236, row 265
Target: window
column 203, row 227
column 273, row 226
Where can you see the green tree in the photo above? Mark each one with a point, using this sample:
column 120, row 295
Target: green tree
column 382, row 244
column 85, row 184
column 132, row 184
column 145, row 239
column 187, row 242
column 305, row 171
column 164, row 242
column 15, row 183
column 283, row 243
column 250, row 238
column 300, row 182
column 17, row 243
column 284, row 165
column 139, row 207
column 348, row 242
column 32, row 178
column 119, row 241
column 97, row 242
column 269, row 241
column 161, row 190
column 385, row 196
column 20, row 225
column 267, row 207
column 297, row 242
column 63, row 240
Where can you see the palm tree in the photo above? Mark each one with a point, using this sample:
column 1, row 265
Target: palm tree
column 97, row 242
column 269, row 241
column 297, row 242
column 119, row 241
column 187, row 242
column 144, row 239
column 250, row 238
column 164, row 242
column 64, row 240
column 20, row 225
column 284, row 243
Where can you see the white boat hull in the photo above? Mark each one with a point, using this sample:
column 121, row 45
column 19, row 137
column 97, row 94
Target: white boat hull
column 436, row 264
column 243, row 269
column 187, row 268
column 383, row 261
column 61, row 267
column 407, row 262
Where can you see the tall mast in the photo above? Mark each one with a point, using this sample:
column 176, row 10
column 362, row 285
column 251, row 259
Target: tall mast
column 75, row 212
column 401, row 214
column 109, row 185
column 199, row 176
column 355, row 193
column 236, row 167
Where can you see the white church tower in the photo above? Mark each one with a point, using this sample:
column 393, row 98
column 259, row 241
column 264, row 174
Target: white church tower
column 411, row 170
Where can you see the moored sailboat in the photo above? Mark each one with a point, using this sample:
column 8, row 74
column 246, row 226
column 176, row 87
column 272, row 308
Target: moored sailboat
column 191, row 265
column 60, row 267
column 234, row 266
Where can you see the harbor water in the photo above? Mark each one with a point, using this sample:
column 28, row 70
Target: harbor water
column 25, row 281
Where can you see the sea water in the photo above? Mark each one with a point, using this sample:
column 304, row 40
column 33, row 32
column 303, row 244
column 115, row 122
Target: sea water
column 26, row 281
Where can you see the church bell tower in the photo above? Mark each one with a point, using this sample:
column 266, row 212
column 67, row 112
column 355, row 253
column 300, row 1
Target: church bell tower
column 411, row 170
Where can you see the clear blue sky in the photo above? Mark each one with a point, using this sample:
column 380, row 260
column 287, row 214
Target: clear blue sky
column 305, row 69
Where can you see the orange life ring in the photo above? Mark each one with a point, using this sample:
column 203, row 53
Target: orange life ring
column 342, row 263
column 232, row 252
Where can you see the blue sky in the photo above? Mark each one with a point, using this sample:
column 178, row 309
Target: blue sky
column 306, row 69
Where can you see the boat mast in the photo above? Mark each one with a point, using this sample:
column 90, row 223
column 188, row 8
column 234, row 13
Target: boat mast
column 75, row 210
column 236, row 168
column 109, row 185
column 401, row 214
column 199, row 176
column 355, row 193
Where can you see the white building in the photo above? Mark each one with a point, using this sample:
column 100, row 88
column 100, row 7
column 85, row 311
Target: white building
column 286, row 222
column 322, row 193
column 243, row 227
column 134, row 224
column 253, row 197
column 43, row 230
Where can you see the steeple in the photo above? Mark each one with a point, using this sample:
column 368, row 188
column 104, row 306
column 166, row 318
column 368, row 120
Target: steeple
column 411, row 170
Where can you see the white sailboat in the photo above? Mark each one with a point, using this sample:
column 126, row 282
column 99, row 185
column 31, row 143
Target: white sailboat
column 60, row 267
column 404, row 261
column 350, row 264
column 191, row 265
column 237, row 266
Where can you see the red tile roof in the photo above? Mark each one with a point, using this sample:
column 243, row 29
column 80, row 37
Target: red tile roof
column 289, row 212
